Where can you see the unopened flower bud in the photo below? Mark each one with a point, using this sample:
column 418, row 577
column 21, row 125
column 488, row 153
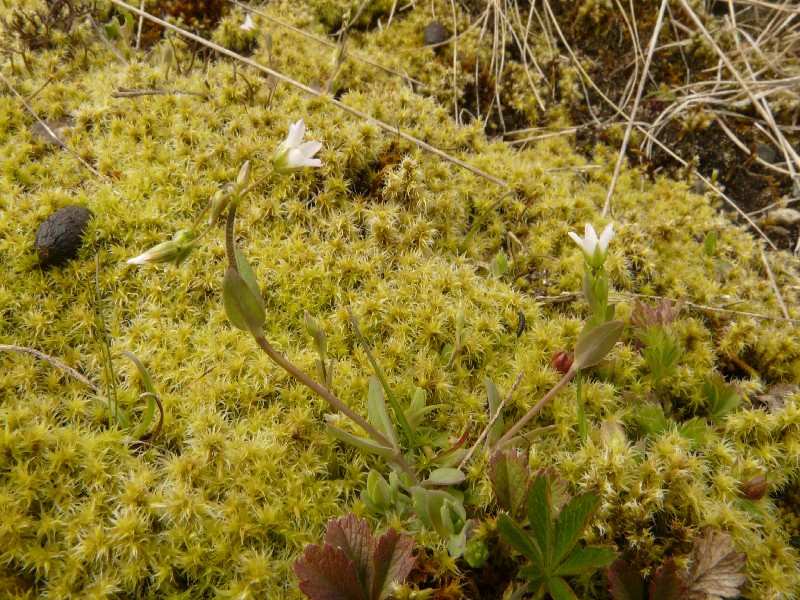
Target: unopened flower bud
column 562, row 361
column 175, row 250
column 755, row 488
column 243, row 178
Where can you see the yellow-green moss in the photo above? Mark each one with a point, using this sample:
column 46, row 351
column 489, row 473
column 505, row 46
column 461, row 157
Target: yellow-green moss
column 243, row 474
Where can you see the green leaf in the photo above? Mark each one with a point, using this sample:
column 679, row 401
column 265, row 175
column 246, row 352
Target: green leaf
column 246, row 272
column 540, row 515
column 710, row 243
column 571, row 523
column 559, row 589
column 444, row 476
column 513, row 535
column 152, row 397
column 652, row 420
column 588, row 557
column 693, row 430
column 499, row 264
column 245, row 311
column 361, row 443
column 509, row 474
column 496, row 431
column 378, row 412
column 592, row 346
column 536, row 575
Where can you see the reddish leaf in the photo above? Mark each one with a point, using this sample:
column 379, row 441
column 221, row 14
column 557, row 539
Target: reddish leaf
column 392, row 561
column 353, row 535
column 326, row 573
column 666, row 584
column 626, row 581
column 508, row 472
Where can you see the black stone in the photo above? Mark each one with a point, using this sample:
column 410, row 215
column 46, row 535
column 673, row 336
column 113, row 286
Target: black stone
column 434, row 34
column 60, row 236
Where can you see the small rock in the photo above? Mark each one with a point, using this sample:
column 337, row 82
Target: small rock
column 434, row 34
column 785, row 217
column 60, row 236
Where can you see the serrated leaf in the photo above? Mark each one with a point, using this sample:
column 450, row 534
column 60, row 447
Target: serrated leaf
column 536, row 575
column 626, row 582
column 592, row 346
column 378, row 412
column 244, row 310
column 326, row 573
column 392, row 561
column 666, row 584
column 445, row 476
column 588, row 557
column 514, row 536
column 693, row 430
column 571, row 523
column 559, row 589
column 715, row 568
column 540, row 516
column 496, row 432
column 365, row 444
column 509, row 475
column 353, row 535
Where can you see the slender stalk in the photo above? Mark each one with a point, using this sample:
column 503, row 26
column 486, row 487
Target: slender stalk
column 582, row 428
column 230, row 251
column 332, row 400
column 532, row 412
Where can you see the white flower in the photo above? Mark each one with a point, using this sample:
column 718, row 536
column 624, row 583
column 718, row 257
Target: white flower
column 291, row 154
column 594, row 248
column 248, row 24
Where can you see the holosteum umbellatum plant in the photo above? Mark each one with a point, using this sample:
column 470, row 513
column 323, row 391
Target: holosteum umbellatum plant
column 419, row 480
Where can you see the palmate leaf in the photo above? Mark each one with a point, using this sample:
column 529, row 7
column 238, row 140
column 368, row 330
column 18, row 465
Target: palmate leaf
column 513, row 535
column 509, row 474
column 626, row 582
column 715, row 568
column 588, row 557
column 559, row 589
column 571, row 523
column 352, row 565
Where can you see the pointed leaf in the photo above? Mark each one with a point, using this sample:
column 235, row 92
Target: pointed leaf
column 571, row 523
column 509, row 474
column 444, row 476
column 626, row 581
column 666, row 584
column 392, row 561
column 246, row 273
column 152, row 397
column 326, row 573
column 244, row 310
column 514, row 536
column 496, row 431
column 536, row 575
column 540, row 515
column 353, row 535
column 378, row 412
column 715, row 568
column 592, row 346
column 559, row 589
column 586, row 558
column 365, row 444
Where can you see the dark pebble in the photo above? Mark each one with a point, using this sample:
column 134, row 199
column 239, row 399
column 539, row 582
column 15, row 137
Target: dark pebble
column 434, row 34
column 59, row 237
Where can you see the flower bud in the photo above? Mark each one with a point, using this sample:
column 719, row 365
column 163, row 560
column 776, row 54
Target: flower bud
column 378, row 490
column 243, row 178
column 175, row 250
column 755, row 488
column 562, row 361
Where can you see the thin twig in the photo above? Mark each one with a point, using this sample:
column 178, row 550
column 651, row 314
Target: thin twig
column 131, row 93
column 774, row 284
column 53, row 361
column 635, row 109
column 496, row 416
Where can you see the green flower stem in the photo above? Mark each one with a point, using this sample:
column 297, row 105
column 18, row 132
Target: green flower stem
column 333, row 401
column 532, row 412
column 582, row 427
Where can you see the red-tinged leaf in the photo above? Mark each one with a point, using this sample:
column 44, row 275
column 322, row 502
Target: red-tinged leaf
column 666, row 584
column 353, row 535
column 715, row 568
column 391, row 562
column 626, row 581
column 509, row 474
column 326, row 573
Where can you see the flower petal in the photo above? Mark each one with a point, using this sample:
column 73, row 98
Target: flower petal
column 295, row 136
column 605, row 237
column 309, row 149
